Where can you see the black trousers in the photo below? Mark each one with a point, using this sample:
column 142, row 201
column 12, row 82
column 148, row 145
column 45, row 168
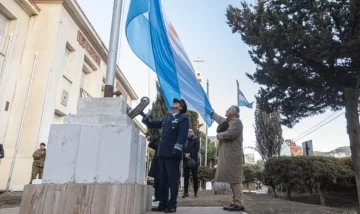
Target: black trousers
column 169, row 178
column 187, row 178
column 157, row 188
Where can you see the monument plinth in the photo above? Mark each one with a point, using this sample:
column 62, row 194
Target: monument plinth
column 95, row 163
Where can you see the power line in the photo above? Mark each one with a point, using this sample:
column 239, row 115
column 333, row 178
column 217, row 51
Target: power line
column 321, row 126
column 295, row 139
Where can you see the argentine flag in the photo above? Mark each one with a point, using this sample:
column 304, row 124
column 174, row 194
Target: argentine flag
column 243, row 101
column 155, row 41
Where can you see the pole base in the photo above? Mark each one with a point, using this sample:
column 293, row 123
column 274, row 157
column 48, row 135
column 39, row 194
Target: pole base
column 109, row 91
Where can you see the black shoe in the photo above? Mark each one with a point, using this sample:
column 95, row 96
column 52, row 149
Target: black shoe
column 171, row 210
column 195, row 195
column 236, row 208
column 158, row 209
column 185, row 195
column 226, row 208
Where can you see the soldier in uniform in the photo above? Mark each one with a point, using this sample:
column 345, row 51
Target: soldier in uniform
column 174, row 135
column 38, row 164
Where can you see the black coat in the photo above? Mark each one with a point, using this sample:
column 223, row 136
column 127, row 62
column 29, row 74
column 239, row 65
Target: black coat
column 155, row 165
column 2, row 154
column 193, row 147
column 174, row 132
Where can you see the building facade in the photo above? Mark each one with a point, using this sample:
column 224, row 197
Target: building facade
column 290, row 148
column 249, row 158
column 50, row 55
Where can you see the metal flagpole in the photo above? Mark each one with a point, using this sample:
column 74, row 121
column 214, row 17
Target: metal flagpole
column 21, row 124
column 206, row 143
column 113, row 49
column 237, row 94
column 42, row 114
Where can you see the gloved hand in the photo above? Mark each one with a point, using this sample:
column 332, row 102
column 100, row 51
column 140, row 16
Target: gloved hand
column 145, row 119
column 177, row 150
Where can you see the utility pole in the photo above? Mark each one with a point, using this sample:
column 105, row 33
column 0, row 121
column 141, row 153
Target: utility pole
column 198, row 60
column 113, row 49
column 237, row 94
column 206, row 143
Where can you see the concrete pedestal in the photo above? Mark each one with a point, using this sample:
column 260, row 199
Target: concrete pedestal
column 97, row 154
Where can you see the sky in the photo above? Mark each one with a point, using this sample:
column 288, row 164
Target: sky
column 201, row 26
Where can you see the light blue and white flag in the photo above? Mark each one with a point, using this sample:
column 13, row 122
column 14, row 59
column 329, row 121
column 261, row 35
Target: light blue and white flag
column 243, row 101
column 155, row 41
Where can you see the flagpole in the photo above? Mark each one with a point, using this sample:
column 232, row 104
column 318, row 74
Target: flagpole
column 113, row 49
column 206, row 143
column 237, row 94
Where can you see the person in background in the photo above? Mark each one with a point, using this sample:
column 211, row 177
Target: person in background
column 173, row 137
column 230, row 160
column 191, row 151
column 39, row 161
column 2, row 153
column 154, row 168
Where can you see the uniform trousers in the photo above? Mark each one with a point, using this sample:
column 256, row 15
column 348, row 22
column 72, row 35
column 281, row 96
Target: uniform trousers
column 169, row 179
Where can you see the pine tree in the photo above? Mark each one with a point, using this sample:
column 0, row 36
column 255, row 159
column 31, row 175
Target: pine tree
column 308, row 59
column 268, row 133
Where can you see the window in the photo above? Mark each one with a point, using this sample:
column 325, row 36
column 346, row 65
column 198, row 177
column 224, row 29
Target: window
column 4, row 21
column 67, row 61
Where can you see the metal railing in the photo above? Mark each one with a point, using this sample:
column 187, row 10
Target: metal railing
column 84, row 93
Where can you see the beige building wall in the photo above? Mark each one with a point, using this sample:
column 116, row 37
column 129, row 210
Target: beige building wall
column 46, row 28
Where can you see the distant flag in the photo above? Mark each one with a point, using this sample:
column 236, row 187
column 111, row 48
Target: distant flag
column 243, row 101
column 155, row 41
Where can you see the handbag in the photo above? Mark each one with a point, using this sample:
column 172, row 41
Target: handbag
column 191, row 163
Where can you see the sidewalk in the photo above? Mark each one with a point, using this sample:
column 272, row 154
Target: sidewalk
column 181, row 210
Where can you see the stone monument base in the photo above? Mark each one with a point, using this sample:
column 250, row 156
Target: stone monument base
column 86, row 199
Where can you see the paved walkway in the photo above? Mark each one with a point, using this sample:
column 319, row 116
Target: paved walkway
column 181, row 210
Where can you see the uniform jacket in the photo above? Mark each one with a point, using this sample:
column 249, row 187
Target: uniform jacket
column 39, row 159
column 230, row 160
column 174, row 132
column 2, row 154
column 193, row 147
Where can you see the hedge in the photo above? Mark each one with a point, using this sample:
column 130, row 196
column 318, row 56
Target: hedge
column 302, row 172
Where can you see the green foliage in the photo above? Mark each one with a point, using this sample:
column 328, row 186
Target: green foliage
column 305, row 172
column 268, row 133
column 347, row 161
column 206, row 173
column 307, row 53
column 260, row 164
column 251, row 173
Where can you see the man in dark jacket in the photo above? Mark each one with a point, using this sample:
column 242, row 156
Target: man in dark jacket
column 174, row 135
column 191, row 151
column 154, row 168
column 2, row 153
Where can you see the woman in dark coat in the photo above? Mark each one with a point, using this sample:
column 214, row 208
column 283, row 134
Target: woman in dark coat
column 154, row 167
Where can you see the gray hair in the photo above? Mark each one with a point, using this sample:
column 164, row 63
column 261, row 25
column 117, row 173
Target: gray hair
column 235, row 110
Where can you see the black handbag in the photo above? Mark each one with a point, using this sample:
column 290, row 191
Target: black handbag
column 222, row 127
column 191, row 163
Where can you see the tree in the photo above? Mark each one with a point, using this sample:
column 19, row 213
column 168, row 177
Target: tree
column 268, row 133
column 308, row 59
column 306, row 172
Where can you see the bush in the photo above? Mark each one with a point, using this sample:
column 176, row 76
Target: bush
column 206, row 173
column 304, row 172
column 251, row 172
